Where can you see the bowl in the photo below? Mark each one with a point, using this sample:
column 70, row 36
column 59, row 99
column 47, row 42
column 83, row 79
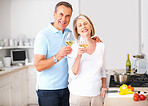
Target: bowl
column 121, row 78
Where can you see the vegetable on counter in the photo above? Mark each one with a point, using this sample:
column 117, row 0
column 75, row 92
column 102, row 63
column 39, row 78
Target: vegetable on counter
column 142, row 97
column 130, row 87
column 124, row 90
column 136, row 97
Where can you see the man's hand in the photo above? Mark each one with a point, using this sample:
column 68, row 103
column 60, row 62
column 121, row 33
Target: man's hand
column 97, row 39
column 66, row 50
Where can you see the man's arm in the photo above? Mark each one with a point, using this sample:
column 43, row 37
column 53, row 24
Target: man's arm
column 41, row 63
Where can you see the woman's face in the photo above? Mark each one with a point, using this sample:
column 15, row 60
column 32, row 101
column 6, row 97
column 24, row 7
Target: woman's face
column 83, row 27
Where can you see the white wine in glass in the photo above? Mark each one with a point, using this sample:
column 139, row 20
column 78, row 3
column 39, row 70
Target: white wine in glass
column 69, row 43
column 83, row 45
column 83, row 41
column 69, row 39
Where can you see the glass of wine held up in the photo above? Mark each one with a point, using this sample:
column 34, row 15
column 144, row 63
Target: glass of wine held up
column 69, row 39
column 83, row 42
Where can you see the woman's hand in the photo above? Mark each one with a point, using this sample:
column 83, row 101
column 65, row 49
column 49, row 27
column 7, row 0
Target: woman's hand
column 103, row 89
column 81, row 50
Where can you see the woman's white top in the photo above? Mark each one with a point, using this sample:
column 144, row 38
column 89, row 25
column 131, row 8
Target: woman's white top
column 92, row 68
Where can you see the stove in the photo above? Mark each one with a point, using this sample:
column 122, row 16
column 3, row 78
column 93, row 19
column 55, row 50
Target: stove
column 135, row 81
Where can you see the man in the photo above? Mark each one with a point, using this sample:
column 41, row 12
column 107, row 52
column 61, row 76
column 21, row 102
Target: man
column 50, row 62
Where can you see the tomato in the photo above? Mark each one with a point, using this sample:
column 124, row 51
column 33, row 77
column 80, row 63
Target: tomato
column 142, row 97
column 136, row 97
column 136, row 94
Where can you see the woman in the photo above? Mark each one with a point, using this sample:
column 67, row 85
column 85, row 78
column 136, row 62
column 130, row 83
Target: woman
column 86, row 67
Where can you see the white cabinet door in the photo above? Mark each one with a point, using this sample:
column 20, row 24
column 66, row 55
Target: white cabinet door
column 5, row 95
column 8, row 93
column 22, row 88
column 32, row 77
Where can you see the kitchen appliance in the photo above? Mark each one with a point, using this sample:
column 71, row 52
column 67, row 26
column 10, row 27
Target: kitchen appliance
column 135, row 81
column 121, row 78
column 7, row 61
column 140, row 64
column 18, row 56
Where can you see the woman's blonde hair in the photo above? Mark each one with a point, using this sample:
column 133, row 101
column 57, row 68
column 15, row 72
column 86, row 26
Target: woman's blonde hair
column 75, row 25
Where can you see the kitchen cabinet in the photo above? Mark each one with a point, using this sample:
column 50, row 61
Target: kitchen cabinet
column 22, row 87
column 17, row 86
column 8, row 91
column 32, row 77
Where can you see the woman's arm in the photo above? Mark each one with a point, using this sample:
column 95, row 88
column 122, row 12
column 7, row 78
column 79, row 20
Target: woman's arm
column 75, row 67
column 104, row 82
column 103, row 73
column 104, row 87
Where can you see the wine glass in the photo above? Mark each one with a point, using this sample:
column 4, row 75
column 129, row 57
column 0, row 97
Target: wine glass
column 69, row 40
column 83, row 41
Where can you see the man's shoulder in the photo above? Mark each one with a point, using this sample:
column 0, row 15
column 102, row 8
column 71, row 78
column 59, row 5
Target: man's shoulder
column 44, row 32
column 67, row 30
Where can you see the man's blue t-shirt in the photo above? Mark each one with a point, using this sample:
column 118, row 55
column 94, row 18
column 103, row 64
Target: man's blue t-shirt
column 48, row 42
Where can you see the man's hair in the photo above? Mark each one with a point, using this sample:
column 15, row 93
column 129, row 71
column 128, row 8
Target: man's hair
column 66, row 4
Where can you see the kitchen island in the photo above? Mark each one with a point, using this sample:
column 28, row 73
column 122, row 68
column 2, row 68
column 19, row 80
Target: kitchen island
column 114, row 99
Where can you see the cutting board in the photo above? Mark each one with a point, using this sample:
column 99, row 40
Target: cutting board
column 116, row 95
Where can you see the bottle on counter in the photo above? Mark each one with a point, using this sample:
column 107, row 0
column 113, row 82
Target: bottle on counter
column 128, row 65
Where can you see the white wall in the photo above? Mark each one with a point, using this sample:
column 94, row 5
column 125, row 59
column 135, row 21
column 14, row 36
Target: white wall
column 28, row 17
column 116, row 23
column 145, row 27
column 4, row 19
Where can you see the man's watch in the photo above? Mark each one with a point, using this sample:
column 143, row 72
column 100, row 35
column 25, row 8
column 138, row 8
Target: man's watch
column 55, row 59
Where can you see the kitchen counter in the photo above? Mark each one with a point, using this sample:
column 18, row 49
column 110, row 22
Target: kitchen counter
column 124, row 100
column 114, row 99
column 13, row 69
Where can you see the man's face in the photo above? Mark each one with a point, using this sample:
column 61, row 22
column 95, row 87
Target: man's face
column 62, row 17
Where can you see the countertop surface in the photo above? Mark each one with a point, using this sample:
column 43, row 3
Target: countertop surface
column 124, row 100
column 114, row 99
column 13, row 69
